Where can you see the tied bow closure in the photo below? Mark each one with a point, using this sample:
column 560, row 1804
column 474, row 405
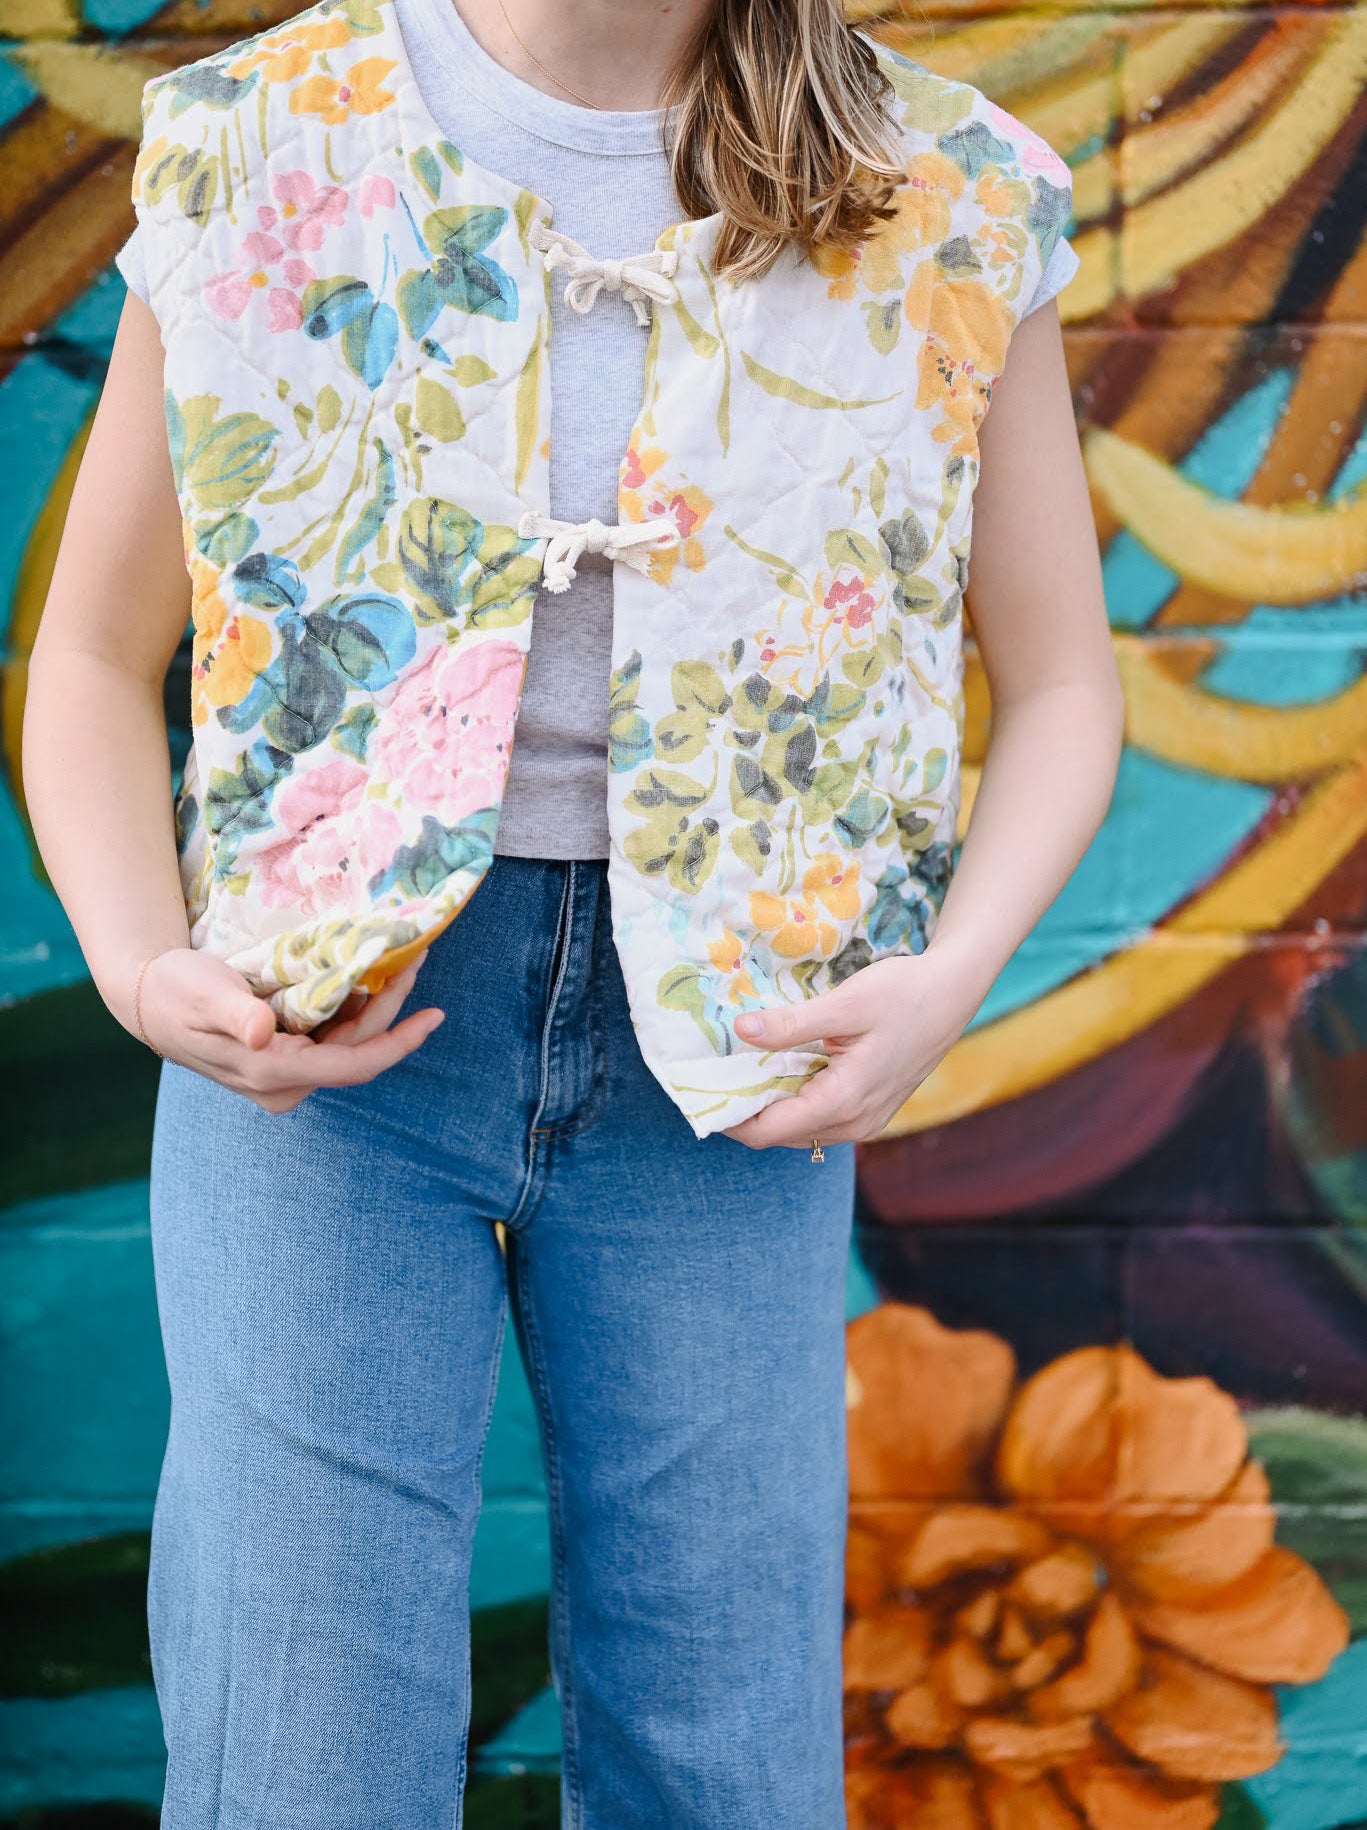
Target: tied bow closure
column 639, row 278
column 632, row 543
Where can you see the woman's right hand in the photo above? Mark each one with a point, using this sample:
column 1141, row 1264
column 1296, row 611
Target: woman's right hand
column 202, row 1014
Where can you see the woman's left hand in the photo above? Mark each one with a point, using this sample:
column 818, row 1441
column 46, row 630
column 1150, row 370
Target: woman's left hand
column 885, row 1027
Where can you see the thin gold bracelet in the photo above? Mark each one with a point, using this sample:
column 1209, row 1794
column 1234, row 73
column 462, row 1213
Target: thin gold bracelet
column 137, row 1005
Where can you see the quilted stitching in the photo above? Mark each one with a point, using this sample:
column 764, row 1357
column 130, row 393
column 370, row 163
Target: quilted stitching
column 356, row 326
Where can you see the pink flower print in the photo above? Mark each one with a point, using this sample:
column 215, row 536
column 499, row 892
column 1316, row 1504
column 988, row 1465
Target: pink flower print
column 284, row 310
column 1036, row 154
column 376, row 193
column 306, row 209
column 306, row 868
column 850, row 598
column 229, row 293
column 446, row 736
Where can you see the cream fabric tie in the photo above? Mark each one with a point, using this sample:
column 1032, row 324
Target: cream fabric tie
column 633, row 542
column 638, row 277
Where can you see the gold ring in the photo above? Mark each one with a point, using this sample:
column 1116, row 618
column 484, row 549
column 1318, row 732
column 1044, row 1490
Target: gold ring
column 818, row 1154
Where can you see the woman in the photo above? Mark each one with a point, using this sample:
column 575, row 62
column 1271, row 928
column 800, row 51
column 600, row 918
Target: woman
column 707, row 948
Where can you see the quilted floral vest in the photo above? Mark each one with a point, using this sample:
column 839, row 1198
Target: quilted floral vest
column 355, row 319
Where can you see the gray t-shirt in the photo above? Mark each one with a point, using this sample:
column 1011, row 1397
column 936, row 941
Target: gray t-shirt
column 606, row 175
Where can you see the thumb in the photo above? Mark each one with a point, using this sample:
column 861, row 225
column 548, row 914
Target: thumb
column 782, row 1025
column 235, row 1009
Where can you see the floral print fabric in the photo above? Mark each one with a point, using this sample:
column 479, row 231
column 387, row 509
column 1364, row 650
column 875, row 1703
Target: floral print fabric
column 355, row 321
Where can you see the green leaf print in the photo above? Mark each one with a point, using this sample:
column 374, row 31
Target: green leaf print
column 228, row 540
column 885, row 327
column 461, row 275
column 667, row 792
column 221, row 461
column 371, row 518
column 785, row 388
column 754, row 792
column 752, row 844
column 831, row 707
column 456, row 565
column 438, row 852
column 685, row 988
column 438, row 549
column 369, row 328
column 439, row 413
column 298, row 698
column 629, row 738
column 863, row 819
column 371, row 637
column 974, row 146
column 427, row 171
column 907, row 547
column 237, row 802
column 209, row 80
column 351, row 734
column 956, row 258
column 700, row 699
column 194, row 177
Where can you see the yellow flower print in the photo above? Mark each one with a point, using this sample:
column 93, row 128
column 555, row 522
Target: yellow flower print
column 726, row 955
column 149, row 156
column 644, row 494
column 834, row 880
column 967, row 328
column 283, row 55
column 795, row 923
column 229, row 650
column 838, row 616
column 1002, row 195
column 922, row 221
column 244, row 652
column 360, row 92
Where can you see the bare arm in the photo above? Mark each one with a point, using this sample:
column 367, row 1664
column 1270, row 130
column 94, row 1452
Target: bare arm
column 97, row 771
column 95, row 757
column 1039, row 615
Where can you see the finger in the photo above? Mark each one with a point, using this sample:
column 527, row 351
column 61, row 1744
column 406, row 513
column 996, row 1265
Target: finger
column 783, row 1025
column 229, row 1006
column 351, row 1006
column 386, row 1003
column 822, row 1108
column 338, row 1064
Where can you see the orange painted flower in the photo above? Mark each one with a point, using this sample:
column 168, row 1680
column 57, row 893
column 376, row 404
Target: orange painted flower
column 361, row 91
column 1066, row 1608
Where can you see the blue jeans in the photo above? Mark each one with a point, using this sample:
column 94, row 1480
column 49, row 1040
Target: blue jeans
column 332, row 1295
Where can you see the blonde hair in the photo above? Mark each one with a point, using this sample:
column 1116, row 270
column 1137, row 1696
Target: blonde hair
column 783, row 126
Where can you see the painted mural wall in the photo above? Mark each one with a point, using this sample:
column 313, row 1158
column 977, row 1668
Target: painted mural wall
column 1108, row 1307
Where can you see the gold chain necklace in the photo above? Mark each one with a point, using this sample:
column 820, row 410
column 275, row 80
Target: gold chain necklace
column 540, row 66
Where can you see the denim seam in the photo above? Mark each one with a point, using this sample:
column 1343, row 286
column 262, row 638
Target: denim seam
column 571, row 1789
column 496, row 1362
column 563, row 924
column 589, row 1113
column 592, row 1110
